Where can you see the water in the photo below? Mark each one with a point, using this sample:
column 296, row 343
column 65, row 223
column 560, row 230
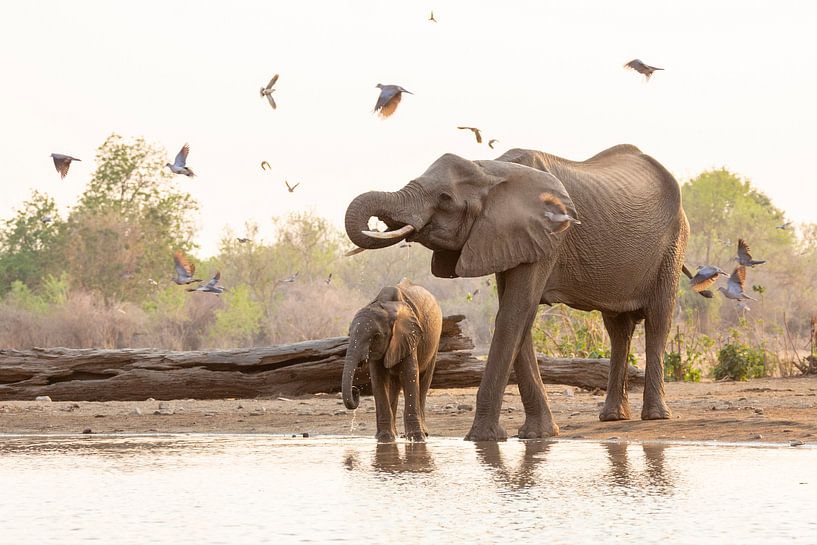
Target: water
column 232, row 489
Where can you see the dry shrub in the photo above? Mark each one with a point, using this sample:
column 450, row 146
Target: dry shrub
column 183, row 328
column 313, row 311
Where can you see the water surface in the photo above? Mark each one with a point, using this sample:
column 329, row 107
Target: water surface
column 207, row 489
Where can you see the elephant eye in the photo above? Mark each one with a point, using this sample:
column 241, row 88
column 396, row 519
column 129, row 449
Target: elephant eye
column 445, row 199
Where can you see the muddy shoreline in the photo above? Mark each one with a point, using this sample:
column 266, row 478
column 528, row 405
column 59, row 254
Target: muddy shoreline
column 763, row 410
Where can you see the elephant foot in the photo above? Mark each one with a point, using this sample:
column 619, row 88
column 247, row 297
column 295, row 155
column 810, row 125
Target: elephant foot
column 385, row 437
column 655, row 411
column 416, row 437
column 486, row 432
column 610, row 412
column 538, row 427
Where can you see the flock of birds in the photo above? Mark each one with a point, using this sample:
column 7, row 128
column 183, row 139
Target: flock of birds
column 707, row 276
column 387, row 101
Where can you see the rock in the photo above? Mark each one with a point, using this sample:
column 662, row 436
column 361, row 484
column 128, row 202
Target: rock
column 338, row 413
column 756, row 436
column 742, row 399
column 257, row 413
column 240, row 406
column 448, row 406
column 758, row 410
column 87, row 431
column 796, row 442
column 209, row 414
column 306, row 434
column 163, row 406
column 465, row 407
column 43, row 398
column 613, row 438
column 569, row 392
column 150, row 399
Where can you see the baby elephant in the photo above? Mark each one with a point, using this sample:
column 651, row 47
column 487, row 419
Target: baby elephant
column 398, row 335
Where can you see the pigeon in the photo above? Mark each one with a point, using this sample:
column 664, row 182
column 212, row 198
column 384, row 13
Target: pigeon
column 705, row 277
column 62, row 162
column 744, row 256
column 476, row 132
column 560, row 218
column 184, row 270
column 734, row 287
column 291, row 188
column 268, row 90
column 265, row 166
column 642, row 68
column 329, row 279
column 242, row 240
column 491, row 142
column 388, row 100
column 47, row 219
column 211, row 286
column 178, row 166
column 291, row 279
column 431, row 17
column 785, row 226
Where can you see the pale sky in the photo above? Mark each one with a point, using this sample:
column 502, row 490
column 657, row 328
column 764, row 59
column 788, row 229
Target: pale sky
column 739, row 90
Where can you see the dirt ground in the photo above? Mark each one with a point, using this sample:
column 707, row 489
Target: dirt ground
column 763, row 410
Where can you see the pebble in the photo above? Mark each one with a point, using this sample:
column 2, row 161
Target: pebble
column 284, row 399
column 43, row 398
column 569, row 392
column 87, row 431
column 150, row 399
column 756, row 436
column 758, row 410
column 613, row 438
column 465, row 407
column 448, row 406
column 796, row 442
column 338, row 413
column 306, row 434
column 209, row 414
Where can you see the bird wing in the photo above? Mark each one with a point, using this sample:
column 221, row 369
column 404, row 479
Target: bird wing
column 213, row 281
column 272, row 102
column 289, row 187
column 183, row 267
column 491, row 142
column 478, row 135
column 553, row 200
column 272, row 81
column 702, row 282
column 294, row 186
column 265, row 164
column 62, row 164
column 744, row 253
column 181, row 157
column 389, row 106
column 386, row 94
column 636, row 65
column 737, row 279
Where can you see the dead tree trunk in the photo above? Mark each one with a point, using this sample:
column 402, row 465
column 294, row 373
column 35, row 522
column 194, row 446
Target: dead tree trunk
column 67, row 374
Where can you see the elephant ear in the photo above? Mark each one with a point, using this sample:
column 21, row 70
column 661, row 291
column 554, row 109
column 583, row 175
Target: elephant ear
column 405, row 333
column 512, row 227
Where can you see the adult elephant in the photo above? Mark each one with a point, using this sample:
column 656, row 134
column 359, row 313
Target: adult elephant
column 483, row 217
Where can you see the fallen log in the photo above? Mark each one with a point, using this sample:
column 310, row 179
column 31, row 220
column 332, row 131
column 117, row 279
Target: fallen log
column 66, row 374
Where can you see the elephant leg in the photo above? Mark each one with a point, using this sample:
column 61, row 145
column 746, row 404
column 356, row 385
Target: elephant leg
column 425, row 384
column 410, row 380
column 524, row 285
column 394, row 396
column 620, row 328
column 538, row 418
column 386, row 431
column 656, row 328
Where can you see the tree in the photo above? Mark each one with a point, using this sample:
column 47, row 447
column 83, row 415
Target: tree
column 128, row 221
column 30, row 243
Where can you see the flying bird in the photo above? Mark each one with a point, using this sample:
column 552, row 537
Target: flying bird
column 292, row 278
column 47, row 219
column 734, row 287
column 642, row 68
column 242, row 240
column 62, row 162
column 291, row 188
column 268, row 90
column 211, row 286
column 431, row 17
column 785, row 226
column 390, row 96
column 179, row 164
column 561, row 217
column 744, row 256
column 476, row 132
column 265, row 166
column 705, row 278
column 491, row 142
column 184, row 270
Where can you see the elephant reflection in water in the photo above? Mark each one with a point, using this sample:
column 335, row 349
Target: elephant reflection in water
column 655, row 474
column 415, row 459
column 489, row 454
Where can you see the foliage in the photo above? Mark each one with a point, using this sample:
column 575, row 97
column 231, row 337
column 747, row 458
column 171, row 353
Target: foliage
column 238, row 321
column 739, row 361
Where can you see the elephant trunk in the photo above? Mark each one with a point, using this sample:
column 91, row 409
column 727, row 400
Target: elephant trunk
column 351, row 395
column 384, row 205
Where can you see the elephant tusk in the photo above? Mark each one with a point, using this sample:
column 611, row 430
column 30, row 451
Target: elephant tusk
column 356, row 251
column 399, row 233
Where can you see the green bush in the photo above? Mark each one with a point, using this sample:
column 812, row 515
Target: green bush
column 739, row 361
column 677, row 369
